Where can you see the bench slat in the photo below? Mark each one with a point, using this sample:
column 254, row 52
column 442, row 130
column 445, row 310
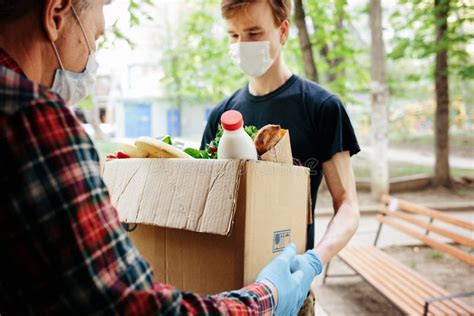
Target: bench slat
column 380, row 270
column 460, row 239
column 431, row 288
column 384, row 287
column 403, row 282
column 399, row 284
column 416, row 282
column 411, row 207
column 461, row 255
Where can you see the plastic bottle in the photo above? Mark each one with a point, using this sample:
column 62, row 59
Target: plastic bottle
column 235, row 143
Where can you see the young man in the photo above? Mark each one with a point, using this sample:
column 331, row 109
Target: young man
column 321, row 133
column 63, row 248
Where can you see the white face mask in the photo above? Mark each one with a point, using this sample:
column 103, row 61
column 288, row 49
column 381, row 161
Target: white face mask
column 73, row 86
column 252, row 58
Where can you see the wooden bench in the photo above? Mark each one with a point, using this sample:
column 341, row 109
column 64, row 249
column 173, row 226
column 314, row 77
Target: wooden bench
column 407, row 290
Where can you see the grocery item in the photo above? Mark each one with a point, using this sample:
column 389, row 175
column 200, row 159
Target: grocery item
column 210, row 151
column 122, row 155
column 133, row 151
column 235, row 143
column 118, row 155
column 273, row 144
column 267, row 137
column 156, row 148
column 167, row 139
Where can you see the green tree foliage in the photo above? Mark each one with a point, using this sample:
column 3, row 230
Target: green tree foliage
column 338, row 52
column 196, row 62
column 137, row 12
column 414, row 23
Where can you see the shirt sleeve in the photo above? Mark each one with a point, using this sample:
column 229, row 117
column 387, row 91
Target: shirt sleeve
column 334, row 131
column 66, row 247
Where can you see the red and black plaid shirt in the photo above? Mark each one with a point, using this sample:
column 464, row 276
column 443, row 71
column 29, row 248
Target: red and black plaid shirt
column 63, row 249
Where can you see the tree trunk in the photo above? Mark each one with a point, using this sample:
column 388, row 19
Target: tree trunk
column 441, row 171
column 379, row 165
column 310, row 69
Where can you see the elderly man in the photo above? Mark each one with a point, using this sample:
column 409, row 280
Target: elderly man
column 63, row 248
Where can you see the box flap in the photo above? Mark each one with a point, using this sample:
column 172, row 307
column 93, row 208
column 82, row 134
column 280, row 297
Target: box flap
column 194, row 195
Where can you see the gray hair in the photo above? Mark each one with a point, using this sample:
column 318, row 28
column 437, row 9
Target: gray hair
column 11, row 10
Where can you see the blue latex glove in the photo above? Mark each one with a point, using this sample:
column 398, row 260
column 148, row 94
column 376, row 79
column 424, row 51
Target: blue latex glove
column 291, row 292
column 311, row 265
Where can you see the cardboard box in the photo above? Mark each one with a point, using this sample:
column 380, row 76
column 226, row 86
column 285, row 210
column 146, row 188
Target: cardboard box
column 210, row 225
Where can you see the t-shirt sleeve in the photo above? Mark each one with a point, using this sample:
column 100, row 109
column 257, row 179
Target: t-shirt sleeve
column 334, row 130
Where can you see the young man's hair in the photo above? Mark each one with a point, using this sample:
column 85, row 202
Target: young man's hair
column 11, row 10
column 281, row 8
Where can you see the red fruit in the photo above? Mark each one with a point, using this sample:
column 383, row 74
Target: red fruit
column 213, row 150
column 111, row 156
column 122, row 155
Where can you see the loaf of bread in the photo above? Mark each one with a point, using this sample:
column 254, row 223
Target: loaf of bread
column 267, row 137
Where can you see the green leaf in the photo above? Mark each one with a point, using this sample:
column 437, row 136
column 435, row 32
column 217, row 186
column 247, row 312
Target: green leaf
column 205, row 154
column 251, row 131
column 467, row 72
column 87, row 103
column 167, row 139
column 195, row 153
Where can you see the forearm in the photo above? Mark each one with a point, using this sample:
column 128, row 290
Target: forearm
column 339, row 232
column 259, row 298
column 339, row 177
column 256, row 299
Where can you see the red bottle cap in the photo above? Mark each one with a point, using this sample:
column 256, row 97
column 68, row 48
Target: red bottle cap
column 232, row 120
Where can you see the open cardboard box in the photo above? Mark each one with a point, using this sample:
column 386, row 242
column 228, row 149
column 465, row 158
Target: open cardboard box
column 210, row 225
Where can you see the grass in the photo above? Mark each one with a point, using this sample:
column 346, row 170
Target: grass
column 463, row 192
column 457, row 141
column 399, row 169
column 436, row 255
column 396, row 169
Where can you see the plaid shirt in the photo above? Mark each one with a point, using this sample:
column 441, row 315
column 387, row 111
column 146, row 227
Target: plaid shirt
column 63, row 249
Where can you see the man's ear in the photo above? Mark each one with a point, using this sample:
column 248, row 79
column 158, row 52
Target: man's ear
column 55, row 14
column 284, row 31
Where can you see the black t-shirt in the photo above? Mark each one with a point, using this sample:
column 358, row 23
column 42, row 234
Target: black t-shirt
column 316, row 119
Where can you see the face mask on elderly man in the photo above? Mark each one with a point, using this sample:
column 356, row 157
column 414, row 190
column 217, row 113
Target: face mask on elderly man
column 73, row 86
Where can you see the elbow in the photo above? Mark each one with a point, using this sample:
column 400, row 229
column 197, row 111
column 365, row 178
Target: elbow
column 355, row 220
column 352, row 215
column 349, row 207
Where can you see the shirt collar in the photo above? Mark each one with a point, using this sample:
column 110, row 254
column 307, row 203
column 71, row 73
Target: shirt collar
column 10, row 63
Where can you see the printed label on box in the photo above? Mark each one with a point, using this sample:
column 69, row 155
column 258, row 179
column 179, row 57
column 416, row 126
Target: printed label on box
column 281, row 239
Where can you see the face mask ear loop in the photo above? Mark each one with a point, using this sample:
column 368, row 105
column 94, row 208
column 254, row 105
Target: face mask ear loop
column 57, row 55
column 82, row 29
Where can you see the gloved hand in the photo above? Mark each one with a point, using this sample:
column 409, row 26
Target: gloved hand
column 311, row 265
column 291, row 292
